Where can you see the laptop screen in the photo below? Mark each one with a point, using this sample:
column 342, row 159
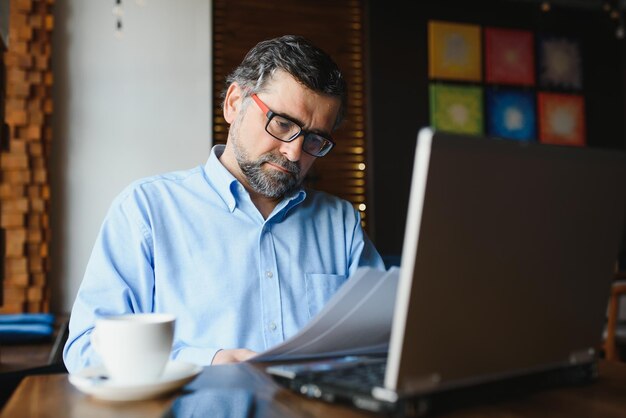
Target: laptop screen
column 507, row 259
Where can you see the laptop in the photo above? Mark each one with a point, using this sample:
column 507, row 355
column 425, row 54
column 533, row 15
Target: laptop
column 508, row 256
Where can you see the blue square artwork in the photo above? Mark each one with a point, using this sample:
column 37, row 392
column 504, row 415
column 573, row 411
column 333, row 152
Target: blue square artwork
column 511, row 114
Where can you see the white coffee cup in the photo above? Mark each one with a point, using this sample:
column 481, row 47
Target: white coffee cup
column 135, row 347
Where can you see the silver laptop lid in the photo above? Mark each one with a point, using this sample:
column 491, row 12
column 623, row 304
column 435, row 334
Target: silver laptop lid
column 508, row 254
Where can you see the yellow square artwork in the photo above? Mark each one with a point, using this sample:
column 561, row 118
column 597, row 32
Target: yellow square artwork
column 454, row 51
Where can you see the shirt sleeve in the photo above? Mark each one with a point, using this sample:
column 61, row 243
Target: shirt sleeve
column 198, row 355
column 119, row 279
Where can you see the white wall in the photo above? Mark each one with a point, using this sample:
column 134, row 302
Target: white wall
column 123, row 109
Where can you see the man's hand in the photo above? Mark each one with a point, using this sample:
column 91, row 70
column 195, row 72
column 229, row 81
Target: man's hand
column 232, row 356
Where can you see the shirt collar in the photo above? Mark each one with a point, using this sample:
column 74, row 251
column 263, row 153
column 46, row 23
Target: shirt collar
column 231, row 190
column 221, row 179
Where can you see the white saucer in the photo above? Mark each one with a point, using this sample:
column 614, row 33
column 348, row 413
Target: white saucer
column 94, row 381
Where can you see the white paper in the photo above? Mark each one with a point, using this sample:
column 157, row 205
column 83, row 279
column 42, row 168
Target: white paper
column 356, row 320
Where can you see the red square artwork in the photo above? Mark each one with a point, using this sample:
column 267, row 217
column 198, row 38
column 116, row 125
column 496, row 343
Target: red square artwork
column 509, row 56
column 561, row 119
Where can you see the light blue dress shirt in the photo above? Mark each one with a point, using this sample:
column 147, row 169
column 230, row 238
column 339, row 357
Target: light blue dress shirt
column 192, row 243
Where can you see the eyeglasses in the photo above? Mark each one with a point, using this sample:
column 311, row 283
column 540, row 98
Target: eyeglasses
column 286, row 130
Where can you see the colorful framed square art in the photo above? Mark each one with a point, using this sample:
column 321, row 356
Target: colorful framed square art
column 509, row 56
column 456, row 108
column 560, row 63
column 454, row 51
column 511, row 114
column 561, row 119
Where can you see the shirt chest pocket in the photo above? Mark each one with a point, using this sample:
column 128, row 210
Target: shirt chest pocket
column 320, row 288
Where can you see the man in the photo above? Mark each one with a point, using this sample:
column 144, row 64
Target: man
column 236, row 249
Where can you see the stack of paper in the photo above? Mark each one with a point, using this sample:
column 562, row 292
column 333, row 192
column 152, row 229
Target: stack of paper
column 357, row 320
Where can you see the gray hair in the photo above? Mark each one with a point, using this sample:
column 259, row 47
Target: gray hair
column 295, row 55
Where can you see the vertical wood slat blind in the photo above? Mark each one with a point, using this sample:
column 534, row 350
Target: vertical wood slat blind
column 336, row 26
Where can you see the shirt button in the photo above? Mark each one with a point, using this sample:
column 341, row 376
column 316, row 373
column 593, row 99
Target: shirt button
column 272, row 326
column 269, row 274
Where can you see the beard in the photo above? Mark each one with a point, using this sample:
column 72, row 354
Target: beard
column 268, row 182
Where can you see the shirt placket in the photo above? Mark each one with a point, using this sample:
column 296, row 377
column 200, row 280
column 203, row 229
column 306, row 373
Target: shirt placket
column 270, row 289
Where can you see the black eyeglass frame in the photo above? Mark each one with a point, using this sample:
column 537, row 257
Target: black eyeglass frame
column 269, row 114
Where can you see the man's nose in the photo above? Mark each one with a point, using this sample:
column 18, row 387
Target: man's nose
column 292, row 150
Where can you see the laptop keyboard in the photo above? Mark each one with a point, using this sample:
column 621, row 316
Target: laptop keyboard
column 361, row 377
column 350, row 380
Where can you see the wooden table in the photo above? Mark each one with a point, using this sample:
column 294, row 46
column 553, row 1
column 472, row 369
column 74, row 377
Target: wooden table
column 54, row 396
column 19, row 360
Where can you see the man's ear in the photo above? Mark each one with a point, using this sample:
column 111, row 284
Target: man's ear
column 232, row 102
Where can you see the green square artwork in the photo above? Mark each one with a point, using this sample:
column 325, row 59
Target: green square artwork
column 456, row 109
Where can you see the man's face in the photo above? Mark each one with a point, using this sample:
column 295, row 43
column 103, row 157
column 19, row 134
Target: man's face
column 271, row 167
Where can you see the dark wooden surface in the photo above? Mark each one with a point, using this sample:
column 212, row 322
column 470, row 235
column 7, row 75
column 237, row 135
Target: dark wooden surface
column 54, row 396
column 24, row 356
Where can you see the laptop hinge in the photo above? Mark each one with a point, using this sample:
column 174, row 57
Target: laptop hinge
column 410, row 386
column 586, row 355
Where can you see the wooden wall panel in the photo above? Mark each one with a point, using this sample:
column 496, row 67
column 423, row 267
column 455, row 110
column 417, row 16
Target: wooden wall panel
column 24, row 181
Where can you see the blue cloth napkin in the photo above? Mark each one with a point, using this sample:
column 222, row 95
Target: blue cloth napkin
column 26, row 328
